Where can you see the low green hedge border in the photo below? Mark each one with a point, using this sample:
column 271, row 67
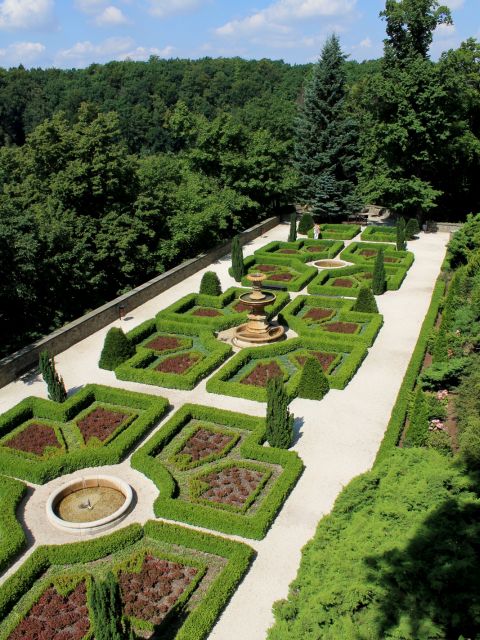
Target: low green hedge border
column 337, row 231
column 12, row 536
column 379, row 234
column 197, row 623
column 395, row 277
column 326, row 249
column 399, row 412
column 175, row 312
column 289, row 316
column 305, row 272
column 357, row 350
column 151, row 410
column 350, row 254
column 254, row 525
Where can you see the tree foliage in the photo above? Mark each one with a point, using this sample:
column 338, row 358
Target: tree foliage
column 379, row 280
column 210, row 284
column 116, row 349
column 292, row 234
column 238, row 268
column 279, row 427
column 55, row 384
column 365, row 301
column 313, row 381
column 106, row 607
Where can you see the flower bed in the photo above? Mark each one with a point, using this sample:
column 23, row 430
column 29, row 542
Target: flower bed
column 364, row 253
column 159, row 567
column 205, row 443
column 337, row 231
column 162, row 343
column 379, row 234
column 184, row 494
column 282, row 272
column 178, row 364
column 318, row 314
column 302, row 250
column 325, row 359
column 341, row 327
column 35, row 438
column 262, row 373
column 203, row 312
column 347, row 281
column 109, row 420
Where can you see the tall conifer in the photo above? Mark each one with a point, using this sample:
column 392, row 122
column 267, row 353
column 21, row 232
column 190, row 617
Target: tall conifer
column 238, row 268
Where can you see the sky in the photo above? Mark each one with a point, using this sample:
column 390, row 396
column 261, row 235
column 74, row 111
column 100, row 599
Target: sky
column 76, row 33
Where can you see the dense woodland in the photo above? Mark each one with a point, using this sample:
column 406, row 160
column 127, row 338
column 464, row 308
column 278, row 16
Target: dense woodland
column 112, row 174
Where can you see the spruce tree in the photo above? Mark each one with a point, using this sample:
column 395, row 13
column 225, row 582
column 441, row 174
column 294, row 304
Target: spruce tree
column 412, row 229
column 313, row 381
column 279, row 421
column 55, row 384
column 292, row 236
column 365, row 302
column 326, row 139
column 210, row 284
column 116, row 349
column 305, row 224
column 238, row 268
column 401, row 235
column 379, row 281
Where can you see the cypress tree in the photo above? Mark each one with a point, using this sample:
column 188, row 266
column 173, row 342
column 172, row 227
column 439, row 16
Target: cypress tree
column 279, row 421
column 292, row 236
column 210, row 284
column 55, row 384
column 417, row 433
column 401, row 235
column 365, row 302
column 313, row 382
column 116, row 349
column 106, row 607
column 412, row 229
column 326, row 139
column 305, row 224
column 379, row 281
column 238, row 268
column 440, row 348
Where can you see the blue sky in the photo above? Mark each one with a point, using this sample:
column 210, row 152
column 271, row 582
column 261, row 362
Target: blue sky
column 76, row 33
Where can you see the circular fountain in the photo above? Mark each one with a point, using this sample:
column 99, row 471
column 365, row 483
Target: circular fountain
column 90, row 504
column 257, row 330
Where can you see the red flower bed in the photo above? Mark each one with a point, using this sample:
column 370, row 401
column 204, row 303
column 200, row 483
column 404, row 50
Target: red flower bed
column 100, row 423
column 368, row 253
column 312, row 249
column 388, row 259
column 177, row 364
column 325, row 359
column 288, row 251
column 204, row 443
column 282, row 277
column 204, row 312
column 262, row 373
column 318, row 314
column 164, row 343
column 240, row 307
column 55, row 617
column 341, row 327
column 342, row 282
column 231, row 486
column 265, row 268
column 150, row 594
column 34, row 439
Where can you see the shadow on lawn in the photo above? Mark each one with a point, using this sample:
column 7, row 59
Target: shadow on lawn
column 432, row 587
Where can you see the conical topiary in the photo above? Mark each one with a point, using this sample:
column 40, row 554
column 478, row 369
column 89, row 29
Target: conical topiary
column 379, row 282
column 116, row 349
column 313, row 382
column 279, row 421
column 292, row 236
column 412, row 229
column 365, row 302
column 417, row 432
column 210, row 284
column 55, row 384
column 305, row 224
column 238, row 268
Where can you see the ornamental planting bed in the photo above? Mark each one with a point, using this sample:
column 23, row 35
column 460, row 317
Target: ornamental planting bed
column 232, row 486
column 282, row 272
column 35, row 438
column 262, row 373
column 348, row 280
column 337, row 231
column 178, row 364
column 364, row 253
column 205, row 443
column 302, row 250
column 101, row 424
column 325, row 359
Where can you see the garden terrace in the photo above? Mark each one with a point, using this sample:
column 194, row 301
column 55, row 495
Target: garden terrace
column 216, row 312
column 212, row 471
column 303, row 250
column 247, row 373
column 172, row 354
column 172, row 580
column 337, row 231
column 313, row 316
column 365, row 253
column 379, row 234
column 41, row 439
column 348, row 280
column 291, row 275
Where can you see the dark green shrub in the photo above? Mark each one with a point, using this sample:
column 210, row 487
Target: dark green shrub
column 279, row 425
column 440, row 347
column 106, row 609
column 365, row 302
column 313, row 382
column 417, row 433
column 305, row 224
column 238, row 269
column 400, row 235
column 292, row 236
column 443, row 375
column 210, row 284
column 116, row 349
column 379, row 280
column 412, row 229
column 55, row 384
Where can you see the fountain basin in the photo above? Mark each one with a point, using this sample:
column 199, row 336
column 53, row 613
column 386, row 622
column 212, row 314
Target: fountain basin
column 89, row 504
column 331, row 264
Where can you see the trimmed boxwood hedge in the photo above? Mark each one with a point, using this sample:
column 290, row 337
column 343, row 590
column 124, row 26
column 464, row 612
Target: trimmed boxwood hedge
column 395, row 277
column 196, row 625
column 289, row 316
column 12, row 536
column 326, row 249
column 305, row 272
column 253, row 525
column 356, row 349
column 151, row 410
column 379, row 234
column 337, row 231
column 175, row 312
column 399, row 412
column 351, row 254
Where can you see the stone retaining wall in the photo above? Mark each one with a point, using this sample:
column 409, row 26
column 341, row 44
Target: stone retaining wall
column 18, row 363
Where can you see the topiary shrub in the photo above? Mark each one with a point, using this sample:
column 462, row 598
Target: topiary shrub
column 401, row 235
column 238, row 268
column 117, row 348
column 417, row 433
column 305, row 224
column 279, row 422
column 365, row 302
column 379, row 280
column 313, row 382
column 55, row 384
column 412, row 229
column 292, row 236
column 210, row 284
